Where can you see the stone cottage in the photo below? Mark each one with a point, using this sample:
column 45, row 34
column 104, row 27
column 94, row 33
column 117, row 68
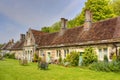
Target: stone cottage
column 17, row 48
column 6, row 47
column 103, row 36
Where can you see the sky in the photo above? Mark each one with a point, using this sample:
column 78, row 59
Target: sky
column 17, row 16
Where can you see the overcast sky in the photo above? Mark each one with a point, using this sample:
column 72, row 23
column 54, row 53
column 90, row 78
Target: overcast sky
column 17, row 16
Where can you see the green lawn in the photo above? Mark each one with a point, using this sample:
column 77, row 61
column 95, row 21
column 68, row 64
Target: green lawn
column 11, row 70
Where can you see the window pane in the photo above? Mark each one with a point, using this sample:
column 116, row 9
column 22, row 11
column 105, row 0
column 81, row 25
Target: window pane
column 100, row 53
column 105, row 51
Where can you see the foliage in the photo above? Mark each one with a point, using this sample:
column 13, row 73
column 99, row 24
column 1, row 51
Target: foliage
column 11, row 67
column 10, row 55
column 114, row 58
column 45, row 29
column 101, row 10
column 105, row 58
column 1, row 45
column 116, row 5
column 105, row 66
column 118, row 58
column 35, row 59
column 54, row 28
column 1, row 57
column 89, row 56
column 39, row 59
column 23, row 62
column 43, row 65
column 60, row 59
column 73, row 58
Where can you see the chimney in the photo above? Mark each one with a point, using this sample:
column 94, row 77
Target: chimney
column 22, row 37
column 11, row 41
column 88, row 20
column 63, row 25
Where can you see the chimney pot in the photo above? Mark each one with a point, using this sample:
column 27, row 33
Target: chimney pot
column 22, row 37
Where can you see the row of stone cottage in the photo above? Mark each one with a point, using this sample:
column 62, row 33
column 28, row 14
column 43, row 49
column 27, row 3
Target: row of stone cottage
column 103, row 36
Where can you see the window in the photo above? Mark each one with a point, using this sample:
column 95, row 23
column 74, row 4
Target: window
column 58, row 53
column 66, row 51
column 102, row 52
column 41, row 53
column 105, row 51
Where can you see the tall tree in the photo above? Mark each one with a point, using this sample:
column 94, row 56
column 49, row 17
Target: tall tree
column 116, row 6
column 100, row 9
column 45, row 29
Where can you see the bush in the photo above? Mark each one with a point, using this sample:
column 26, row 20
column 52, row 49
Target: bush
column 1, row 57
column 89, row 56
column 7, row 55
column 114, row 58
column 39, row 59
column 60, row 60
column 105, row 66
column 118, row 58
column 35, row 59
column 43, row 65
column 10, row 55
column 73, row 58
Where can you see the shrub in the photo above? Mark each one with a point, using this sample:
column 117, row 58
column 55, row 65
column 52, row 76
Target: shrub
column 43, row 65
column 89, row 56
column 105, row 66
column 114, row 58
column 39, row 59
column 1, row 57
column 118, row 58
column 35, row 59
column 6, row 55
column 60, row 59
column 10, row 55
column 73, row 58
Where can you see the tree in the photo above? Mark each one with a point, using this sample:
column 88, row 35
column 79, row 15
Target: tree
column 73, row 58
column 116, row 5
column 45, row 29
column 89, row 56
column 100, row 9
column 54, row 28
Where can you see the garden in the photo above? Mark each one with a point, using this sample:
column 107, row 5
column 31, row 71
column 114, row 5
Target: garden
column 10, row 69
column 66, row 69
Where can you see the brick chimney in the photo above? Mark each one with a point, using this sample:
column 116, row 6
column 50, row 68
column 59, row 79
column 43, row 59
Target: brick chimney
column 22, row 37
column 63, row 25
column 88, row 20
column 11, row 41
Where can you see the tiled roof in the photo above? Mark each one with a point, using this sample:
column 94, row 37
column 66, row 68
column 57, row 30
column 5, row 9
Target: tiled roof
column 37, row 35
column 102, row 30
column 18, row 45
column 7, row 46
column 2, row 46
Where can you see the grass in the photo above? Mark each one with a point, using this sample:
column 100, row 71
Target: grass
column 11, row 70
